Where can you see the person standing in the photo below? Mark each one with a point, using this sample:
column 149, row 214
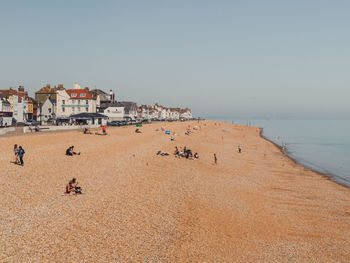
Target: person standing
column 215, row 159
column 104, row 130
column 239, row 149
column 16, row 150
column 21, row 153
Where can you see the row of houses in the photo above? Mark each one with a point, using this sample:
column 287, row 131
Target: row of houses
column 15, row 105
column 60, row 105
column 163, row 113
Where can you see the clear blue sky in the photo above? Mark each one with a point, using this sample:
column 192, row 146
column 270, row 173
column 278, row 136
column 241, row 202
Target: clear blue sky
column 221, row 58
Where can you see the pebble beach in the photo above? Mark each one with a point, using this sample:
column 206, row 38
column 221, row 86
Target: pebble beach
column 137, row 206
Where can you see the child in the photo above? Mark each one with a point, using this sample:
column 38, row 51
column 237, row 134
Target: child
column 16, row 150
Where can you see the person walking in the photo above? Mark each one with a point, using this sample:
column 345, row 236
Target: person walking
column 21, row 153
column 16, row 150
column 215, row 159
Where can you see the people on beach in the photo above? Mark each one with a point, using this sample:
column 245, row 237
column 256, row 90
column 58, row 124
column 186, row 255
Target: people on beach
column 21, row 153
column 185, row 153
column 138, row 130
column 215, row 159
column 176, row 152
column 16, row 150
column 196, row 156
column 72, row 187
column 104, row 132
column 70, row 151
column 239, row 149
column 162, row 153
column 87, row 131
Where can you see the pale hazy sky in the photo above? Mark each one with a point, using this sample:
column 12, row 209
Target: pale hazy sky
column 220, row 58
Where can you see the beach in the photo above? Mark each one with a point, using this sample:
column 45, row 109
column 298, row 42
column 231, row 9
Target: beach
column 254, row 206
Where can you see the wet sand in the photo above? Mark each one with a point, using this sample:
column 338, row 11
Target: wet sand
column 257, row 206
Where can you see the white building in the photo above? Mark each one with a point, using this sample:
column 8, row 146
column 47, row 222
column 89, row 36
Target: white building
column 186, row 114
column 174, row 114
column 75, row 101
column 114, row 111
column 47, row 110
column 130, row 109
column 5, row 113
column 163, row 113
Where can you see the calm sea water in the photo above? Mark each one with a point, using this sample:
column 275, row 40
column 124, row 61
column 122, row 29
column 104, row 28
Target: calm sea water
column 321, row 145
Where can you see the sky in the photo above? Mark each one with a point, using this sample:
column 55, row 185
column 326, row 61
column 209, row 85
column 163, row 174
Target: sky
column 220, row 58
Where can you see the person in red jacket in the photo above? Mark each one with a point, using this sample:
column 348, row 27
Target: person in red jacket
column 104, row 130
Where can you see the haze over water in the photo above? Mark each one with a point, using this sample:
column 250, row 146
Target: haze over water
column 321, row 145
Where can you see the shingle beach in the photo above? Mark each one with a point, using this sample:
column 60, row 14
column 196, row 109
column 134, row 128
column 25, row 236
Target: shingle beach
column 254, row 206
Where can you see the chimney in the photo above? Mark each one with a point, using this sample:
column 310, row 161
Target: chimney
column 76, row 85
column 111, row 96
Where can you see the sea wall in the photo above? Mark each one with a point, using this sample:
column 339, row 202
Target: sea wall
column 59, row 128
column 6, row 130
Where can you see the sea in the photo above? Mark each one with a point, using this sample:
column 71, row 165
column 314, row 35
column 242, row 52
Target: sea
column 320, row 145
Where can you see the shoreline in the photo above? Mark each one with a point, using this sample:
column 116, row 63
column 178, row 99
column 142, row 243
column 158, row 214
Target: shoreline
column 329, row 176
column 294, row 160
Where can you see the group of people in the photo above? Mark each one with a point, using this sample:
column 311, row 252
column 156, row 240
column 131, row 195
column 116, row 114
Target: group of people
column 35, row 128
column 185, row 153
column 104, row 131
column 19, row 154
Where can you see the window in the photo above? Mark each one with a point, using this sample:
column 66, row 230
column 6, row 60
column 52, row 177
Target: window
column 83, row 95
column 78, row 109
column 73, row 109
column 87, row 102
column 74, row 94
column 49, row 110
column 79, row 102
column 86, row 109
column 63, row 102
column 63, row 109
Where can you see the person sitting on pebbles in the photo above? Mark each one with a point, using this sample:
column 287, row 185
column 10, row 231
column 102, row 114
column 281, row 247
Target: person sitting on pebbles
column 70, row 151
column 87, row 131
column 72, row 187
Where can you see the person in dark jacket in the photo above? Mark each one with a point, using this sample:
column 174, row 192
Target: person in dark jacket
column 70, row 151
column 21, row 153
column 16, row 150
